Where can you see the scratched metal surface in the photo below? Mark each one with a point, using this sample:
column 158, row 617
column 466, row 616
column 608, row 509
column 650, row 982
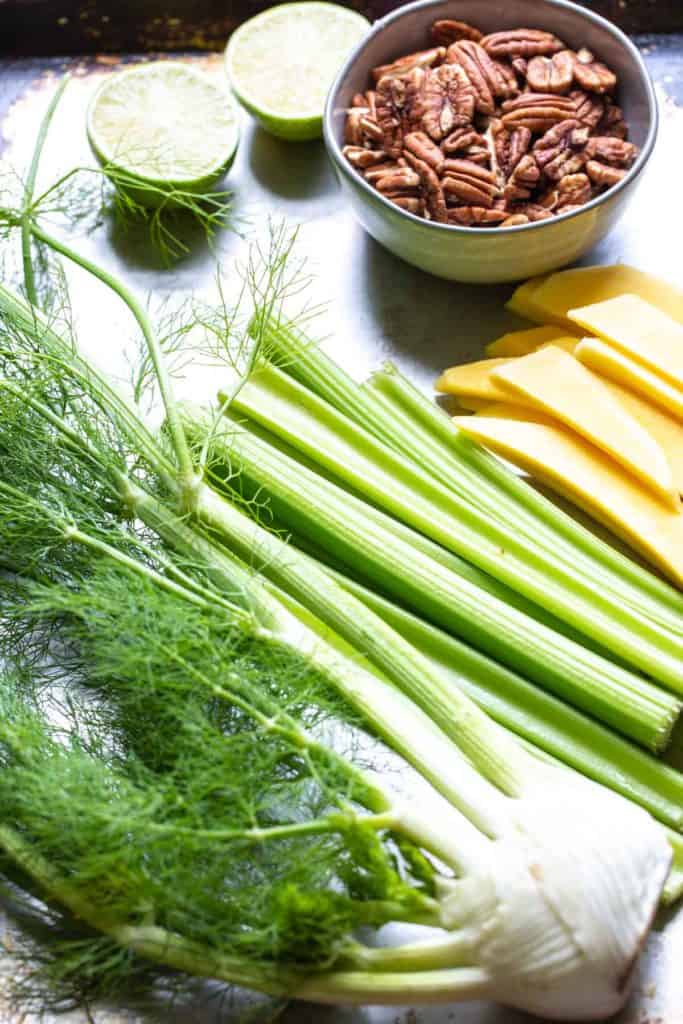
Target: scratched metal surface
column 376, row 307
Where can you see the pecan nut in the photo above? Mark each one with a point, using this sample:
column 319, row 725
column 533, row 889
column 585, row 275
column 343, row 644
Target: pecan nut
column 522, row 42
column 515, row 220
column 432, row 192
column 469, row 183
column 413, row 204
column 400, row 180
column 487, row 77
column 475, row 216
column 552, row 74
column 421, row 146
column 591, row 75
column 360, row 157
column 447, row 31
column 470, row 143
column 610, row 150
column 510, row 145
column 401, row 66
column 560, row 150
column 602, row 175
column 374, row 174
column 537, row 111
column 574, row 190
column 398, row 109
column 447, row 101
column 524, row 179
column 612, row 121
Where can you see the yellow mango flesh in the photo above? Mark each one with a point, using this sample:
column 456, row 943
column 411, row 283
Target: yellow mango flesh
column 521, row 343
column 583, row 286
column 579, row 471
column 521, row 301
column 639, row 330
column 609, row 362
column 471, row 380
column 561, row 387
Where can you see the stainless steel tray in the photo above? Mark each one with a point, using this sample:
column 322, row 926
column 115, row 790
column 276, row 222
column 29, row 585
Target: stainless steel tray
column 377, row 307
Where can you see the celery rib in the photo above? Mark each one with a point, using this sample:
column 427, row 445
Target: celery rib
column 432, row 443
column 367, row 541
column 565, row 733
column 384, row 477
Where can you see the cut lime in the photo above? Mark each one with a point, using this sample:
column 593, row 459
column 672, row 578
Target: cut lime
column 282, row 63
column 165, row 124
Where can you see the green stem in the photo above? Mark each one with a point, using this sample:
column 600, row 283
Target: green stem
column 150, row 942
column 320, row 826
column 568, row 735
column 357, row 988
column 368, row 542
column 180, row 445
column 29, row 189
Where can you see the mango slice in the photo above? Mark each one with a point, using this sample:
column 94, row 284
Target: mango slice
column 521, row 343
column 560, row 386
column 583, row 286
column 579, row 471
column 638, row 329
column 521, row 301
column 609, row 362
column 472, row 380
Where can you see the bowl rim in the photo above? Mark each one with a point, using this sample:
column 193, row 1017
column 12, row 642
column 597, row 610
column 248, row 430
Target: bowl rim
column 334, row 149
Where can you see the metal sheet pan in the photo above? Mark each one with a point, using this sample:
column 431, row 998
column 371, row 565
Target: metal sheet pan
column 376, row 307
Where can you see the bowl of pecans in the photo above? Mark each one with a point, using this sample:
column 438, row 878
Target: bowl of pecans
column 487, row 142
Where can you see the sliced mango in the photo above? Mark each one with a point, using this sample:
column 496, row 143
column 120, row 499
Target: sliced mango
column 609, row 362
column 521, row 301
column 638, row 329
column 560, row 386
column 472, row 380
column 579, row 471
column 582, row 286
column 520, row 343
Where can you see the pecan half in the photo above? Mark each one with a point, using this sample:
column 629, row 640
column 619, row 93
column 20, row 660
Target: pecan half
column 524, row 178
column 447, row 31
column 612, row 121
column 515, row 220
column 362, row 158
column 574, row 190
column 447, row 101
column 398, row 108
column 588, row 108
column 487, row 76
column 468, row 183
column 591, row 75
column 552, row 74
column 602, row 175
column 522, row 42
column 475, row 216
column 420, row 59
column 432, row 191
column 612, row 151
column 373, row 174
column 469, row 142
column 560, row 150
column 510, row 145
column 413, row 204
column 421, row 146
column 520, row 66
column 537, row 111
column 535, row 212
column 401, row 180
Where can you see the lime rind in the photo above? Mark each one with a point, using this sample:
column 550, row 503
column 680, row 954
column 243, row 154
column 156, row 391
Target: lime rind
column 285, row 51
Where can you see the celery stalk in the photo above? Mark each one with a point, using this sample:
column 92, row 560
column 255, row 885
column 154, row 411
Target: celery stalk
column 536, row 716
column 366, row 540
column 430, row 440
column 392, row 482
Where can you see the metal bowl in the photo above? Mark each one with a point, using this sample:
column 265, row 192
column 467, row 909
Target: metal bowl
column 488, row 255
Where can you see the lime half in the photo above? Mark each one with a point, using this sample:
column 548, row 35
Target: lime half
column 166, row 124
column 282, row 63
